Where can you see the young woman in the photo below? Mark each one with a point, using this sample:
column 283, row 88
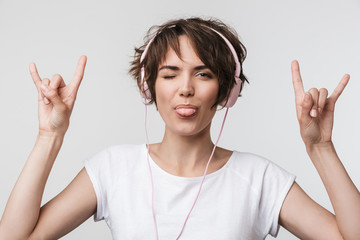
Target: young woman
column 184, row 186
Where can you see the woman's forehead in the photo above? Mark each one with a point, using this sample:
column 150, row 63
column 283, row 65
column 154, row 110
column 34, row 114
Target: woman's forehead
column 187, row 54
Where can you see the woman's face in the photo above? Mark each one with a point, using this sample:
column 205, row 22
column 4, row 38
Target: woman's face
column 185, row 91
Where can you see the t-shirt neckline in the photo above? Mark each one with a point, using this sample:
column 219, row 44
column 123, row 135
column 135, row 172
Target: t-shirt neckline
column 174, row 177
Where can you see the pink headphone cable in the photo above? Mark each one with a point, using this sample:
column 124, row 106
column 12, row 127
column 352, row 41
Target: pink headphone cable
column 152, row 182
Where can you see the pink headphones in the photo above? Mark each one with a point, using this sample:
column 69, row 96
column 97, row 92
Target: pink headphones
column 145, row 92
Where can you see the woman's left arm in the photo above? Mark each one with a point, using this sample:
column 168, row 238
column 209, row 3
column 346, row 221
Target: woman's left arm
column 300, row 214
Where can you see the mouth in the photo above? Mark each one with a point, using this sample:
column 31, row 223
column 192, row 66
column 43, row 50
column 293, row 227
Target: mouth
column 186, row 111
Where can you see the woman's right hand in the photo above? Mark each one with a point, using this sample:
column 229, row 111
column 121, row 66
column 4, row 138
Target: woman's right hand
column 56, row 99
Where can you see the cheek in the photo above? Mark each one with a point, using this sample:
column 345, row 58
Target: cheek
column 209, row 93
column 161, row 95
column 163, row 98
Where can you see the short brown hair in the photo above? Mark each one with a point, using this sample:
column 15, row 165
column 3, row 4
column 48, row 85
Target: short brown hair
column 211, row 49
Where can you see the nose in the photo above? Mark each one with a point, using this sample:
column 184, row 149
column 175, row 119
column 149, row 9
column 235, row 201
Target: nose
column 186, row 88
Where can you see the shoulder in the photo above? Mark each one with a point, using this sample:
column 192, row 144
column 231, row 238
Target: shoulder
column 245, row 161
column 258, row 170
column 269, row 182
column 115, row 155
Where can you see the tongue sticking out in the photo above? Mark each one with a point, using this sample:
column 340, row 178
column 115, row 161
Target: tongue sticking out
column 185, row 111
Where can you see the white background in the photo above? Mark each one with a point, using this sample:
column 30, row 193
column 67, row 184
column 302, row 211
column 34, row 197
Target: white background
column 323, row 35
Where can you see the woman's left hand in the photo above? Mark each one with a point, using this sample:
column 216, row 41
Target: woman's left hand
column 315, row 110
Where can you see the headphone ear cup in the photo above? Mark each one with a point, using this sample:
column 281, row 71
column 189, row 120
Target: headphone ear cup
column 145, row 92
column 234, row 94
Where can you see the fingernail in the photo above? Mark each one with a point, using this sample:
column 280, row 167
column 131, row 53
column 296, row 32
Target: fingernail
column 46, row 101
column 320, row 110
column 307, row 97
column 313, row 113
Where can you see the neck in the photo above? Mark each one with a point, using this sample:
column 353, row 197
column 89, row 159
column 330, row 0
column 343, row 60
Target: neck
column 185, row 155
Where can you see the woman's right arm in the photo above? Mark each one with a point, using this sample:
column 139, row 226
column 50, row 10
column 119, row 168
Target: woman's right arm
column 23, row 218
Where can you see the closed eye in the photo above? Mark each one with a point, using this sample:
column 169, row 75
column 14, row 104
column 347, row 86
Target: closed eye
column 169, row 77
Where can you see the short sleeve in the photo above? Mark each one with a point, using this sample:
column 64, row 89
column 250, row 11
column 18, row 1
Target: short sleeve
column 96, row 167
column 275, row 186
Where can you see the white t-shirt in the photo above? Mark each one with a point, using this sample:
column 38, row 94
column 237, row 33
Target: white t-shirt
column 242, row 200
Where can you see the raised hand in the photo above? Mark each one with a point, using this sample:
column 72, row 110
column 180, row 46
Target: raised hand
column 315, row 110
column 56, row 99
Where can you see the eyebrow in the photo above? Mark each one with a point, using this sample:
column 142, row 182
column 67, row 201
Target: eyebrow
column 175, row 68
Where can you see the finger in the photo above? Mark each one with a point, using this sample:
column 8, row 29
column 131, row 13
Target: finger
column 307, row 104
column 36, row 78
column 52, row 95
column 57, row 82
column 79, row 73
column 315, row 97
column 323, row 93
column 34, row 74
column 45, row 82
column 297, row 82
column 340, row 88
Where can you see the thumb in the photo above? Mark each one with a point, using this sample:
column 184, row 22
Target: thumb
column 52, row 95
column 307, row 104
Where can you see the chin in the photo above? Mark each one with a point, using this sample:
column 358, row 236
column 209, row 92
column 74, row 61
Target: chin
column 188, row 131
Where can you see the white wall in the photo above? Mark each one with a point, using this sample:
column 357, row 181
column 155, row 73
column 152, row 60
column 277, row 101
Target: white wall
column 323, row 35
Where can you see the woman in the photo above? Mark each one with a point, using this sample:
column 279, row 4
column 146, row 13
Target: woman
column 187, row 70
